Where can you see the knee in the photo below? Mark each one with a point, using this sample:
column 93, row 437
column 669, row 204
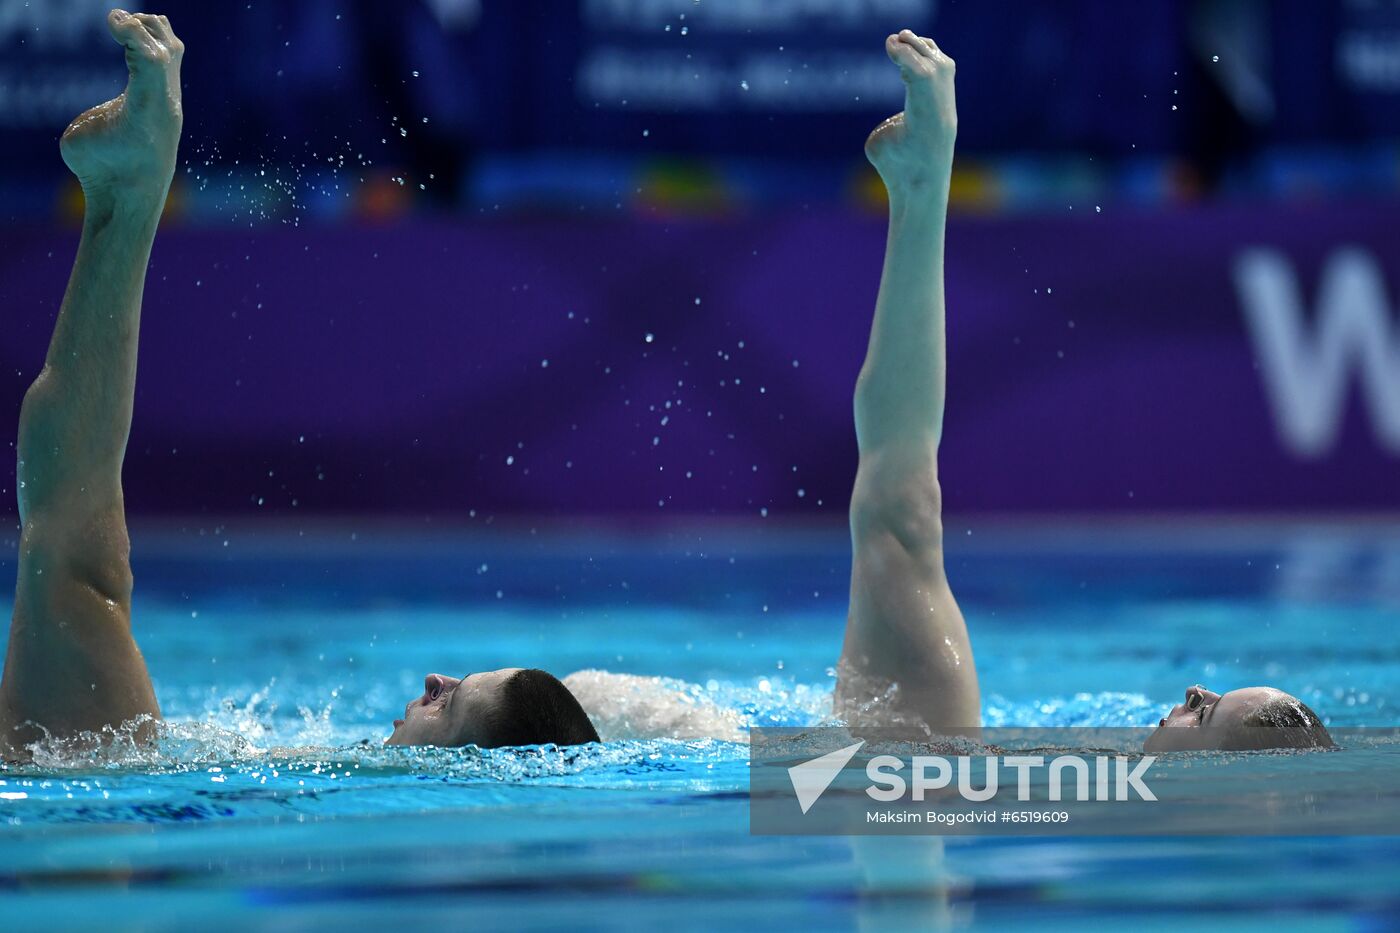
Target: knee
column 58, row 551
column 909, row 510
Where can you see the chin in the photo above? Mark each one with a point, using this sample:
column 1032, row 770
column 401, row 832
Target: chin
column 1178, row 739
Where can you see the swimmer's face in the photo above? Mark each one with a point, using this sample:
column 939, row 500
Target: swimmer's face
column 453, row 712
column 1207, row 720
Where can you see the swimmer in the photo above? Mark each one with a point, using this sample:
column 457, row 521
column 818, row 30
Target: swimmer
column 907, row 659
column 72, row 666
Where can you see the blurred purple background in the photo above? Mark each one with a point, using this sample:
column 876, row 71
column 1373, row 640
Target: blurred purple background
column 619, row 257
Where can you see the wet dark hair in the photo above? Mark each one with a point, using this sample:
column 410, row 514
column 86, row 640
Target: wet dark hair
column 1290, row 723
column 537, row 709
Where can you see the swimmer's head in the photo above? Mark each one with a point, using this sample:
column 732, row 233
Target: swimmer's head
column 1249, row 718
column 493, row 710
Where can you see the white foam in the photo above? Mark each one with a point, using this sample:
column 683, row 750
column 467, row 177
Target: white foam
column 627, row 706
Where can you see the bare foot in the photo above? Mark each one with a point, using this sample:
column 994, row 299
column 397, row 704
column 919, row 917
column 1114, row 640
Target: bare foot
column 126, row 148
column 915, row 148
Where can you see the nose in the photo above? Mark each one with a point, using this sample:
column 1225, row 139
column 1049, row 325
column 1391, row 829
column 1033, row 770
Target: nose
column 433, row 685
column 1195, row 696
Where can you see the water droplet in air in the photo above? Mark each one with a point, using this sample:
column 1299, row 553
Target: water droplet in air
column 650, row 338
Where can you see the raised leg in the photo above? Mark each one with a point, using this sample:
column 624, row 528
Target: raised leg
column 906, row 657
column 72, row 665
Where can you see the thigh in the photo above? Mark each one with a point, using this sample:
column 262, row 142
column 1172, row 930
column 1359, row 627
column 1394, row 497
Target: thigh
column 906, row 657
column 72, row 665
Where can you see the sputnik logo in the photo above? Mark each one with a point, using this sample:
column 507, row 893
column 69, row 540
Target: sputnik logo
column 811, row 778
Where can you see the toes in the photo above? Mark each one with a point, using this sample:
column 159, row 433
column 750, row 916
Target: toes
column 174, row 42
column 157, row 26
column 131, row 33
column 897, row 50
column 912, row 63
column 924, row 47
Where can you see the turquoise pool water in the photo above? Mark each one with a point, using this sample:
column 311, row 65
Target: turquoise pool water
column 280, row 659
